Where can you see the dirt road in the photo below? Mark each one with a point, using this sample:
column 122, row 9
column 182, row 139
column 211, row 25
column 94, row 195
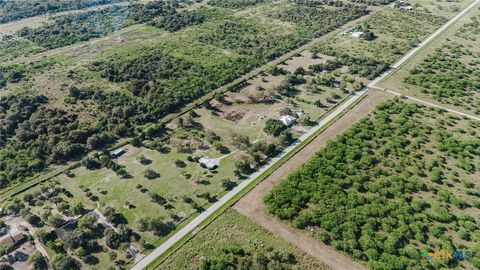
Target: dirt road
column 251, row 205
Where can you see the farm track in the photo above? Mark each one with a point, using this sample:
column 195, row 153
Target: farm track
column 251, row 205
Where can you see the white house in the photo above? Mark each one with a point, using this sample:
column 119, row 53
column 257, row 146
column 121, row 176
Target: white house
column 287, row 120
column 118, row 152
column 406, row 8
column 208, row 163
column 357, row 34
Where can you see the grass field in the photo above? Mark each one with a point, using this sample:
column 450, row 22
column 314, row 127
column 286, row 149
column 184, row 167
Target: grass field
column 229, row 230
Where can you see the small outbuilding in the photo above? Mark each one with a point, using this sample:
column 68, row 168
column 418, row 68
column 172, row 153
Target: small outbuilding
column 118, row 152
column 287, row 120
column 208, row 163
column 357, row 34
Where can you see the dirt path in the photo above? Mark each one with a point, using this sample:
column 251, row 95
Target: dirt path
column 251, row 205
column 39, row 245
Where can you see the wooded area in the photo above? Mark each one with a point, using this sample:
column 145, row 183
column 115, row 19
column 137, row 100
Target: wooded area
column 399, row 181
column 11, row 10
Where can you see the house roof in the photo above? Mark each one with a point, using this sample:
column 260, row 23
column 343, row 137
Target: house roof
column 210, row 163
column 287, row 120
column 17, row 236
column 118, row 151
column 6, row 240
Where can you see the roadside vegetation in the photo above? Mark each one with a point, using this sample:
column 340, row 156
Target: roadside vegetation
column 233, row 241
column 399, row 181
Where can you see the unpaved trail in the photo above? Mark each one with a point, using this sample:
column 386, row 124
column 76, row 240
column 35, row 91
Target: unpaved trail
column 251, row 205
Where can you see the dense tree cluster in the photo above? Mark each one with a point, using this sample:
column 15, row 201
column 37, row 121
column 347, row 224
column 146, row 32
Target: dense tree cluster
column 175, row 21
column 470, row 30
column 19, row 9
column 448, row 78
column 318, row 20
column 167, row 82
column 9, row 75
column 72, row 28
column 235, row 4
column 274, row 127
column 32, row 135
column 385, row 190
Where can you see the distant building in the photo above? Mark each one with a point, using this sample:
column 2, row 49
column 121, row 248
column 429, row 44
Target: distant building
column 119, row 40
column 287, row 120
column 208, row 163
column 6, row 241
column 118, row 152
column 406, row 8
column 357, row 34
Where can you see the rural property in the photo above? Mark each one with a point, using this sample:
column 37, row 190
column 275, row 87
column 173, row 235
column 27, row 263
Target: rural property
column 239, row 134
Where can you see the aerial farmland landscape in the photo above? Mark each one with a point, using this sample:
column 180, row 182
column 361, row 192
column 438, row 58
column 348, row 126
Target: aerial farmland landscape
column 239, row 134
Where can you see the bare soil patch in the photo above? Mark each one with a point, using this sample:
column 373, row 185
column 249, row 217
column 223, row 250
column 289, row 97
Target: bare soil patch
column 251, row 205
column 305, row 60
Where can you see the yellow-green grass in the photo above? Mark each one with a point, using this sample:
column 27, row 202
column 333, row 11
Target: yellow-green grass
column 230, row 229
